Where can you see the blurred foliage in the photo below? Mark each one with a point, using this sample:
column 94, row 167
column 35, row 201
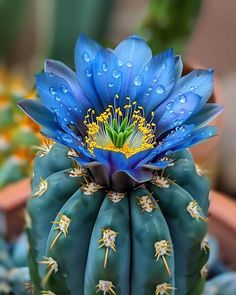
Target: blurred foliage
column 17, row 131
column 12, row 14
column 169, row 23
column 75, row 16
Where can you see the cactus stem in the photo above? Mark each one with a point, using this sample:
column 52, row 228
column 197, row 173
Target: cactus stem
column 45, row 148
column 77, row 171
column 163, row 289
column 146, row 203
column 204, row 271
column 194, row 210
column 47, row 292
column 106, row 287
column 52, row 268
column 116, row 197
column 108, row 241
column 42, row 187
column 90, row 188
column 205, row 245
column 161, row 181
column 72, row 153
column 63, row 225
column 163, row 248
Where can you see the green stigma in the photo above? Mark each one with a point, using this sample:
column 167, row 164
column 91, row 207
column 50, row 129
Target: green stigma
column 119, row 133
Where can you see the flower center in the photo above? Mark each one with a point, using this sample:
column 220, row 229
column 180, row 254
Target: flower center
column 120, row 129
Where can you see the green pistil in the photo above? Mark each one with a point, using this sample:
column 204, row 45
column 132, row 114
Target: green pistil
column 119, row 133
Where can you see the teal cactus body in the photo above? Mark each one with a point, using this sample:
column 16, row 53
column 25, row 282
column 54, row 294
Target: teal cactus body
column 85, row 239
column 118, row 206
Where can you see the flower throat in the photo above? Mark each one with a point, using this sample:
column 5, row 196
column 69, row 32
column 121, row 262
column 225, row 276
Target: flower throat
column 120, row 129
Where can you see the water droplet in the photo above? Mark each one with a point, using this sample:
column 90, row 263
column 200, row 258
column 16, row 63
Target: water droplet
column 55, row 110
column 52, row 90
column 150, row 88
column 147, row 93
column 86, row 57
column 88, row 73
column 64, row 88
column 51, row 75
column 116, row 74
column 110, row 85
column 160, row 89
column 120, row 63
column 61, row 105
column 163, row 65
column 182, row 99
column 75, row 109
column 146, row 68
column 182, row 128
column 137, row 81
column 182, row 111
column 192, row 88
column 169, row 106
column 99, row 73
column 65, row 119
column 66, row 139
column 104, row 67
column 58, row 98
column 69, row 108
column 155, row 80
column 129, row 64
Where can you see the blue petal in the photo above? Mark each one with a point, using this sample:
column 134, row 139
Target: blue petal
column 107, row 76
column 56, row 95
column 199, row 82
column 85, row 52
column 132, row 54
column 114, row 161
column 39, row 113
column 67, row 140
column 176, row 113
column 139, row 175
column 178, row 67
column 159, row 79
column 195, row 137
column 171, row 140
column 207, row 114
column 156, row 165
column 59, row 69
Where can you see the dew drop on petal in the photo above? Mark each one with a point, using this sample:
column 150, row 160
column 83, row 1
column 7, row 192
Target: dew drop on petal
column 69, row 108
column 150, row 88
column 137, row 81
column 64, row 88
column 116, row 74
column 104, row 67
column 169, row 106
column 86, row 57
column 182, row 111
column 52, row 90
column 88, row 73
column 146, row 68
column 58, row 98
column 51, row 74
column 129, row 64
column 110, row 85
column 120, row 63
column 182, row 99
column 160, row 89
column 75, row 109
column 65, row 119
column 66, row 139
column 163, row 65
column 99, row 73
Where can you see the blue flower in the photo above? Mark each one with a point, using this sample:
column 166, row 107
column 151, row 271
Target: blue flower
column 123, row 110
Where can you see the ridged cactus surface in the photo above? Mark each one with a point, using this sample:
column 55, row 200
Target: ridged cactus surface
column 86, row 240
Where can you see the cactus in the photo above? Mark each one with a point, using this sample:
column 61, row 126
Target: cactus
column 118, row 206
column 85, row 239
